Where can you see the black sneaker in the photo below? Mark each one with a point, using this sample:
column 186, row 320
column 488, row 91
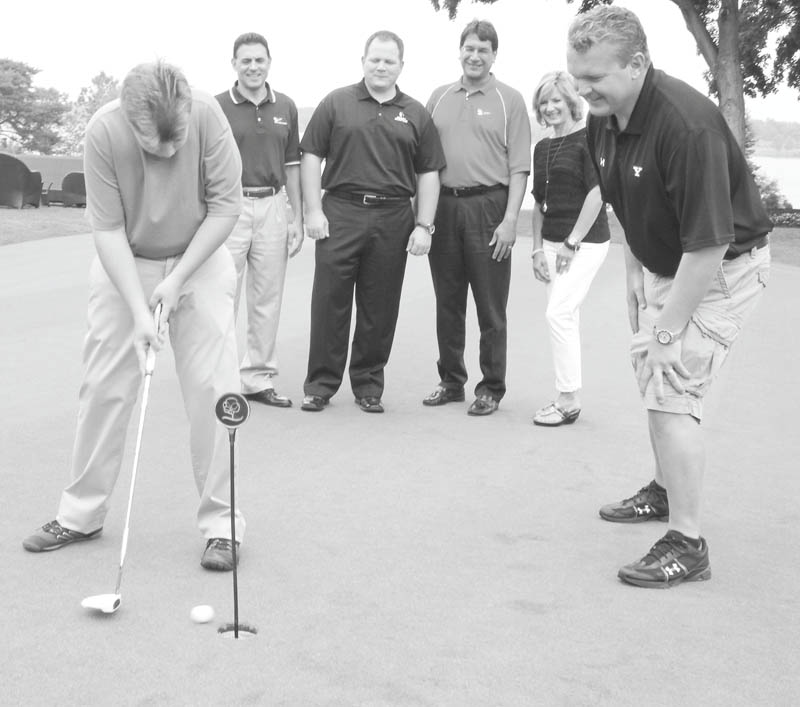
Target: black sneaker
column 672, row 560
column 650, row 503
column 53, row 536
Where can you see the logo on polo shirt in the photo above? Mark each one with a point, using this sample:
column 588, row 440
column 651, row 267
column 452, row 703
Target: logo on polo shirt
column 637, row 171
column 279, row 120
column 401, row 118
column 480, row 112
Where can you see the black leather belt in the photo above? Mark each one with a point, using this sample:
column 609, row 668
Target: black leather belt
column 259, row 192
column 369, row 199
column 470, row 191
column 732, row 255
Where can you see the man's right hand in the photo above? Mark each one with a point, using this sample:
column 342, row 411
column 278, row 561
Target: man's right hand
column 540, row 270
column 635, row 296
column 316, row 225
column 145, row 335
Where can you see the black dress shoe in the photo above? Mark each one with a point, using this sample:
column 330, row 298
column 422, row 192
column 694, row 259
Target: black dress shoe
column 313, row 403
column 442, row 396
column 269, row 397
column 370, row 403
column 483, row 405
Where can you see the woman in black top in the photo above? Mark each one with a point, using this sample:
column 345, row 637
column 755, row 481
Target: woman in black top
column 570, row 234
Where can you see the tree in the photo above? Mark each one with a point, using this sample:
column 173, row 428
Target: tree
column 734, row 38
column 28, row 116
column 103, row 88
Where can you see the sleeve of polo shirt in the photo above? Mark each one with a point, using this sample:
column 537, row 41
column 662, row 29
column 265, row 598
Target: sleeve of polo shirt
column 103, row 200
column 590, row 178
column 292, row 155
column 222, row 164
column 317, row 137
column 698, row 185
column 519, row 136
column 430, row 154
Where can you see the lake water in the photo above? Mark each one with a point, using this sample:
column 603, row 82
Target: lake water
column 785, row 171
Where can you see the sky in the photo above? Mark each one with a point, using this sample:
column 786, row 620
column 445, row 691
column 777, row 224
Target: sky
column 316, row 45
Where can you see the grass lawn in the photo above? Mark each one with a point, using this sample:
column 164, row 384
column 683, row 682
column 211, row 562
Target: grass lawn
column 19, row 226
column 22, row 225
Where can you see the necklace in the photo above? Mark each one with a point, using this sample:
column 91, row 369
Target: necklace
column 547, row 165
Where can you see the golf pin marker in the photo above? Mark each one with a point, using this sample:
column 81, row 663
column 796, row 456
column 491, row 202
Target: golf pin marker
column 232, row 411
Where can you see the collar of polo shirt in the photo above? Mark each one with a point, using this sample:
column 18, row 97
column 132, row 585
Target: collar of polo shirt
column 237, row 97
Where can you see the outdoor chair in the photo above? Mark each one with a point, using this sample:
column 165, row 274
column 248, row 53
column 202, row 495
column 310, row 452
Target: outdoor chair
column 18, row 185
column 73, row 189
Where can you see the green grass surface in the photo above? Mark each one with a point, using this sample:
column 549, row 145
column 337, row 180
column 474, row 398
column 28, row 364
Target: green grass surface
column 19, row 226
column 22, row 225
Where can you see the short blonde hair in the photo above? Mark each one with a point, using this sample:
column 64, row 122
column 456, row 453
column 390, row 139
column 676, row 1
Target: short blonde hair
column 564, row 84
column 157, row 103
column 612, row 24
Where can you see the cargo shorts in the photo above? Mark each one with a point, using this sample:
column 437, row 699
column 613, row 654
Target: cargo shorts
column 732, row 296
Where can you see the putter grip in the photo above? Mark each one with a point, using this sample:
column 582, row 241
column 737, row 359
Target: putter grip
column 150, row 361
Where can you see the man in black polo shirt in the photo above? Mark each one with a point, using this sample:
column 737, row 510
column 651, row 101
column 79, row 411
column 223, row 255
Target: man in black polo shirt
column 264, row 123
column 380, row 147
column 697, row 260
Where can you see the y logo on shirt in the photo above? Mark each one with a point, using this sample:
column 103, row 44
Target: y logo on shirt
column 637, row 171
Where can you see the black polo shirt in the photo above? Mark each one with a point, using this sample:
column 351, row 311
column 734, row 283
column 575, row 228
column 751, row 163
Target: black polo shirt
column 676, row 177
column 372, row 147
column 266, row 134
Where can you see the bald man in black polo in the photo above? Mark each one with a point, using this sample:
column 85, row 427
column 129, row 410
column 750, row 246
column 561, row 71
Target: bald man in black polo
column 697, row 260
column 380, row 148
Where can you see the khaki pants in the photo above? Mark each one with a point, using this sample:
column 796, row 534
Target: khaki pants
column 259, row 241
column 202, row 335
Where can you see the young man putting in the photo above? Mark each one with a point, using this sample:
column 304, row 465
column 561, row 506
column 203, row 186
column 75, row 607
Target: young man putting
column 160, row 145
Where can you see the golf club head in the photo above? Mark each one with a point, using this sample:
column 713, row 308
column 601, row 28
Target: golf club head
column 244, row 631
column 107, row 603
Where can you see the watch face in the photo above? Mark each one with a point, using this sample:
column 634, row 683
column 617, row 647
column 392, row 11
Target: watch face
column 663, row 336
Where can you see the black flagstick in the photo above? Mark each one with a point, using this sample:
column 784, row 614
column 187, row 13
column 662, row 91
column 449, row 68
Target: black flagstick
column 232, row 411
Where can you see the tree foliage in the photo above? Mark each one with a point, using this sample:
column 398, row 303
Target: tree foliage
column 103, row 88
column 29, row 116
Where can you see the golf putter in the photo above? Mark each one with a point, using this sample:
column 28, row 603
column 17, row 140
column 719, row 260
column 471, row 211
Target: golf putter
column 109, row 603
column 232, row 411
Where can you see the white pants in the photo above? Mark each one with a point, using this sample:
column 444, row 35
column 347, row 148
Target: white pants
column 565, row 294
column 203, row 338
column 259, row 241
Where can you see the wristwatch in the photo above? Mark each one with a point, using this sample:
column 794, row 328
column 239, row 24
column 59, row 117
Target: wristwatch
column 429, row 227
column 574, row 247
column 664, row 336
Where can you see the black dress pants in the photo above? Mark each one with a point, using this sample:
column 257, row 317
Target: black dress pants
column 460, row 257
column 365, row 253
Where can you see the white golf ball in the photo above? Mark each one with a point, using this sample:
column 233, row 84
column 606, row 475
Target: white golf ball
column 202, row 614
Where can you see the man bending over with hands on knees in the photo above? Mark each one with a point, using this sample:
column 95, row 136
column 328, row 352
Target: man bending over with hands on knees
column 696, row 255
